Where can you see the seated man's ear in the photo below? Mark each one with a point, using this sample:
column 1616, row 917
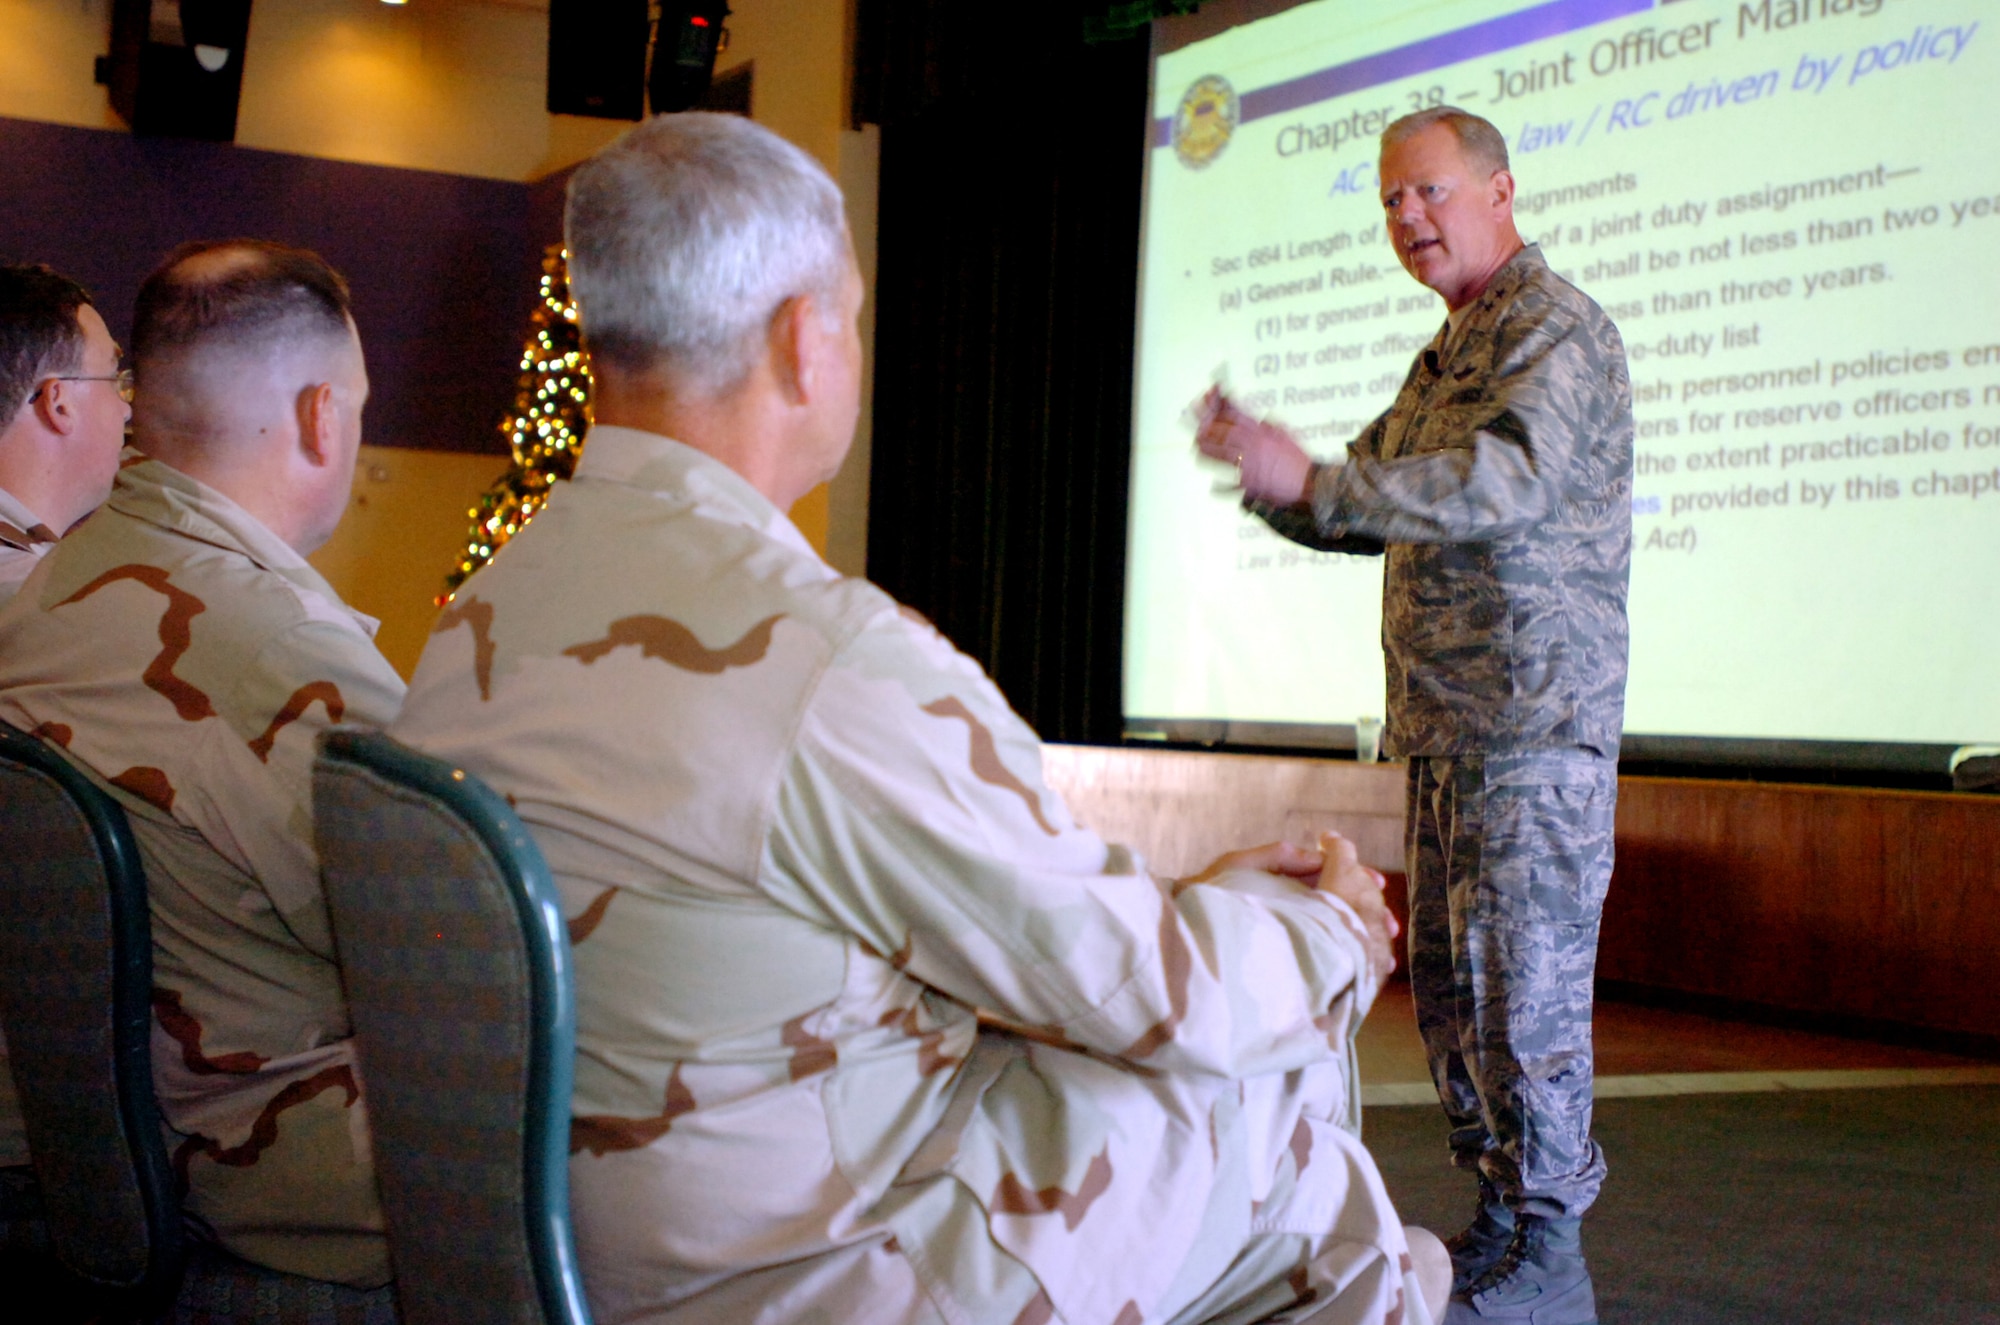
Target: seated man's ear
column 798, row 344
column 55, row 405
column 319, row 424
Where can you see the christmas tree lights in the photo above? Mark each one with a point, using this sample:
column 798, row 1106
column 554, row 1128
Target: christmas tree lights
column 544, row 430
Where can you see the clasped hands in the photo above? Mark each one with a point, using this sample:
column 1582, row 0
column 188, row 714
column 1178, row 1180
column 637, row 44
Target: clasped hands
column 1334, row 868
column 1271, row 466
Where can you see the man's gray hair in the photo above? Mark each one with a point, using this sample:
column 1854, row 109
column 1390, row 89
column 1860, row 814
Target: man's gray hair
column 1482, row 144
column 686, row 236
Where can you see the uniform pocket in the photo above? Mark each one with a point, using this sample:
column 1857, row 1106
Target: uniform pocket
column 1547, row 854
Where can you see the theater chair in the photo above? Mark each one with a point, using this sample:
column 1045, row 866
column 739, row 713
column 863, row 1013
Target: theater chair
column 76, row 1001
column 76, row 992
column 457, row 967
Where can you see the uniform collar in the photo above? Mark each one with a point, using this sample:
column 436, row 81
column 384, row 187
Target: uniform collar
column 20, row 528
column 1513, row 274
column 159, row 495
column 675, row 470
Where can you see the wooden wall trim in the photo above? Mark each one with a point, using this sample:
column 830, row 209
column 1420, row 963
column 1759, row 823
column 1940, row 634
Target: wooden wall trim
column 1843, row 902
column 1872, row 904
column 1183, row 808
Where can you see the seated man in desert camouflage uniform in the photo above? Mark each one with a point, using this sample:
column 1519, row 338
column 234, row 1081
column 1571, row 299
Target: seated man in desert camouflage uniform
column 63, row 407
column 802, row 839
column 183, row 652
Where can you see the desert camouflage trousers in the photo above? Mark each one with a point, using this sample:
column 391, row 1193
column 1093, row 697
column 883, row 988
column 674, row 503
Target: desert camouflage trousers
column 1294, row 1227
column 1509, row 860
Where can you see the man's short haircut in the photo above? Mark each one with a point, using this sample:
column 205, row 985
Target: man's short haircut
column 39, row 335
column 254, row 293
column 1482, row 144
column 687, row 235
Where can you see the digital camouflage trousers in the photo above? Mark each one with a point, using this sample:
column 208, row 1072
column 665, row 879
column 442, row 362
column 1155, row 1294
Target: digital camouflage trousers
column 1509, row 858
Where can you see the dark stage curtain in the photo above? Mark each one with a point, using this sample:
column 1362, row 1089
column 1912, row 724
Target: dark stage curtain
column 1009, row 240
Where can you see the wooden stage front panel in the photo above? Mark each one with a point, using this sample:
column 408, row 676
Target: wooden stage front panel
column 1841, row 902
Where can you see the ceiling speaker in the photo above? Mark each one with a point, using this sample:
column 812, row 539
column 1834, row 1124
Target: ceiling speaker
column 176, row 66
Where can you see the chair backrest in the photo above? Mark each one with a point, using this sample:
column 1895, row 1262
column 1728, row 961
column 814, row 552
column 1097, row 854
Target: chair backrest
column 76, row 992
column 457, row 966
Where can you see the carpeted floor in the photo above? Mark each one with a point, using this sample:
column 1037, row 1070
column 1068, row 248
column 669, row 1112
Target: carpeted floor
column 1783, row 1208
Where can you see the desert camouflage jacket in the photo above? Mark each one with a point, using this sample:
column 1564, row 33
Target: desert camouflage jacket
column 23, row 540
column 801, row 839
column 186, row 658
column 1500, row 482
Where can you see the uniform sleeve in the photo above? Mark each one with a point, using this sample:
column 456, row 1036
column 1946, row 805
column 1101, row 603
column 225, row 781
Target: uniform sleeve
column 257, row 789
column 1300, row 523
column 1511, row 439
column 914, row 817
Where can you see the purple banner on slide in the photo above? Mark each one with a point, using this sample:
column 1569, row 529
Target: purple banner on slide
column 1447, row 48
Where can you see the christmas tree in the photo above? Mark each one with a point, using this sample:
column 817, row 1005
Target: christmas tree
column 544, row 430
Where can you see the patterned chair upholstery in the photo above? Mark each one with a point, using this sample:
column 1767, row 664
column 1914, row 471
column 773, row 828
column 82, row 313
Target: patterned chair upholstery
column 457, row 965
column 219, row 1289
column 76, row 983
column 24, row 1224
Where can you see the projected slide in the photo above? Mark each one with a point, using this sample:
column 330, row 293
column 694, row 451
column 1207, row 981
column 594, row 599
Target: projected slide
column 1791, row 208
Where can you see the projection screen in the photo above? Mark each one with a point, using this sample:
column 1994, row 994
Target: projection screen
column 1791, row 208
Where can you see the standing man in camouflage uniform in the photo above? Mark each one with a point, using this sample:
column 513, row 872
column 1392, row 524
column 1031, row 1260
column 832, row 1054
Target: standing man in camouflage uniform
column 1499, row 485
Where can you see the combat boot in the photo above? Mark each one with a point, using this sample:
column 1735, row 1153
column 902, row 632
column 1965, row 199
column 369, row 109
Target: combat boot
column 1541, row 1280
column 1479, row 1247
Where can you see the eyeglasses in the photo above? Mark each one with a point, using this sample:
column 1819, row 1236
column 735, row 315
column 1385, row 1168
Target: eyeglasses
column 124, row 378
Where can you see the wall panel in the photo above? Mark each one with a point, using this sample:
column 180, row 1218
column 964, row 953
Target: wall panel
column 1836, row 903
column 441, row 266
column 1876, row 905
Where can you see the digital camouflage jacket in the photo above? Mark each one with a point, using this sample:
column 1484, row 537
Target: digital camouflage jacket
column 1500, row 485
